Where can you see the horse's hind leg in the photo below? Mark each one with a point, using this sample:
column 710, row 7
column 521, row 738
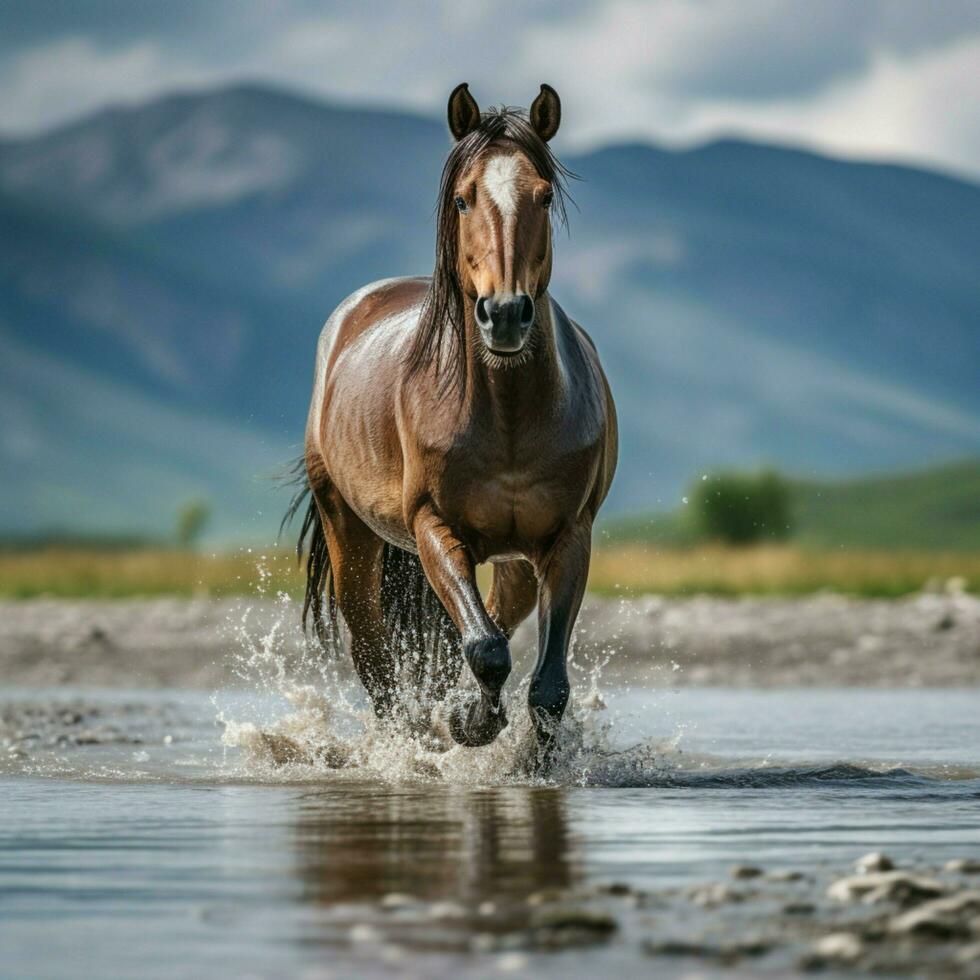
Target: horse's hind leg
column 563, row 571
column 355, row 562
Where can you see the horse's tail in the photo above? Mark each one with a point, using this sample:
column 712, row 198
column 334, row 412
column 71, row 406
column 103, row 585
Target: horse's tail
column 319, row 580
column 417, row 627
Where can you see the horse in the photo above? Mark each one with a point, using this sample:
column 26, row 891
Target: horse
column 456, row 420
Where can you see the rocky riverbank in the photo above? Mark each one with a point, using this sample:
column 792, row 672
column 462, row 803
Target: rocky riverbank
column 931, row 639
column 926, row 640
column 875, row 919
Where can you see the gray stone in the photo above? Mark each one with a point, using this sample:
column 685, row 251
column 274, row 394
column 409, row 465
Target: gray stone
column 875, row 861
column 969, row 866
column 710, row 896
column 881, row 886
column 842, row 946
column 943, row 918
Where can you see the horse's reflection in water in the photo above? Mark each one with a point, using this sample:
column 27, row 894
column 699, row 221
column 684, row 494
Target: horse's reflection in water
column 467, row 846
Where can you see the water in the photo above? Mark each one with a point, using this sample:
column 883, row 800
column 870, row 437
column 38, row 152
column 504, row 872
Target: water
column 152, row 834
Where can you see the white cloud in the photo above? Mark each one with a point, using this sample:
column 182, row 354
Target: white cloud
column 923, row 108
column 638, row 75
column 876, row 79
column 56, row 81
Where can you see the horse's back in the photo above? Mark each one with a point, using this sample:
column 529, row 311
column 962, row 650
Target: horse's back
column 352, row 438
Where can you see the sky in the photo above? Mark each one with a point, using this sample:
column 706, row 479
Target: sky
column 872, row 79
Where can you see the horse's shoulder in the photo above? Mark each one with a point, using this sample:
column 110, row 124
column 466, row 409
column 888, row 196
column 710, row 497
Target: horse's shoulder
column 590, row 356
column 376, row 303
column 572, row 328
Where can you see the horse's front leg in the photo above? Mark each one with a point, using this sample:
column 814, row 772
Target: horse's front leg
column 563, row 574
column 449, row 568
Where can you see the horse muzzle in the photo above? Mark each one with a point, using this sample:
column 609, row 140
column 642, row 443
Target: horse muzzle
column 504, row 322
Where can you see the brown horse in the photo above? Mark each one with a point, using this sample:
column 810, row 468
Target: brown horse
column 456, row 420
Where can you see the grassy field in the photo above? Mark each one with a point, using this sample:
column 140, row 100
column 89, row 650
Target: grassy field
column 112, row 573
column 634, row 569
column 627, row 569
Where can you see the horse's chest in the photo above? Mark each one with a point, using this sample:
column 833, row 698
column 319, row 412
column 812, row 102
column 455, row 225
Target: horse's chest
column 511, row 506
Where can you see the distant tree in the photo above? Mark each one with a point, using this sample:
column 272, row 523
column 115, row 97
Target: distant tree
column 742, row 508
column 192, row 518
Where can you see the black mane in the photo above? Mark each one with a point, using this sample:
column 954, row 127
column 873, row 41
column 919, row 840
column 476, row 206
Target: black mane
column 443, row 307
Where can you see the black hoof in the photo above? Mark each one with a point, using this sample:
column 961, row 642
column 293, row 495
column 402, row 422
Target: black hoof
column 489, row 659
column 474, row 722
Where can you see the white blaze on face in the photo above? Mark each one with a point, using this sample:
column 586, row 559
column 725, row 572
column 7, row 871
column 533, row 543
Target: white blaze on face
column 499, row 181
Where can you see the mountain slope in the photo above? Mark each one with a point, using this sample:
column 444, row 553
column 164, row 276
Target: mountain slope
column 751, row 303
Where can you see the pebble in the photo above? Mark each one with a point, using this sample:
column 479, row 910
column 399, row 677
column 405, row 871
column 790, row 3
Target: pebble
column 678, row 947
column 555, row 929
column 785, row 875
column 880, row 886
column 709, row 896
column 926, row 921
column 875, row 861
column 396, row 900
column 727, row 952
column 969, row 866
column 582, row 920
column 446, row 910
column 745, row 871
column 839, row 946
column 942, row 918
column 363, row 933
column 617, row 888
column 799, row 908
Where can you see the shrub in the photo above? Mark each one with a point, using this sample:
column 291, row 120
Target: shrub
column 192, row 519
column 741, row 508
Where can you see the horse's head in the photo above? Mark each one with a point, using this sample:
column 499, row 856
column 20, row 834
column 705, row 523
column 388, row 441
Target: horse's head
column 499, row 187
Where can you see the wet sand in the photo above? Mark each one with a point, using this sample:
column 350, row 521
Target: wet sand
column 929, row 640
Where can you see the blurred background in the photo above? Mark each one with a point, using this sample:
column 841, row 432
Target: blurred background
column 775, row 247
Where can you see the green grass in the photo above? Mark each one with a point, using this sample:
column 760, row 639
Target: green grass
column 936, row 509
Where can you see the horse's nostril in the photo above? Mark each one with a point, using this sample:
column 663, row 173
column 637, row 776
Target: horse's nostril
column 481, row 311
column 527, row 311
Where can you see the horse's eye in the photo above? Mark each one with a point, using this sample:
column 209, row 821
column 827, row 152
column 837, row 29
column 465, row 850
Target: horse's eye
column 547, row 199
column 461, row 205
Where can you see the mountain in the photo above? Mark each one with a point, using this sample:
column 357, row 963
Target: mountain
column 165, row 269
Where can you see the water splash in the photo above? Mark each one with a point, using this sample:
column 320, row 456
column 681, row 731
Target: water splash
column 322, row 725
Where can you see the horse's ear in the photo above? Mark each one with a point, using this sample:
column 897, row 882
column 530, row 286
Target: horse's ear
column 464, row 113
column 546, row 113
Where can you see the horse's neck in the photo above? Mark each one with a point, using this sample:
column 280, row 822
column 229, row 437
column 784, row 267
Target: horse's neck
column 513, row 394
